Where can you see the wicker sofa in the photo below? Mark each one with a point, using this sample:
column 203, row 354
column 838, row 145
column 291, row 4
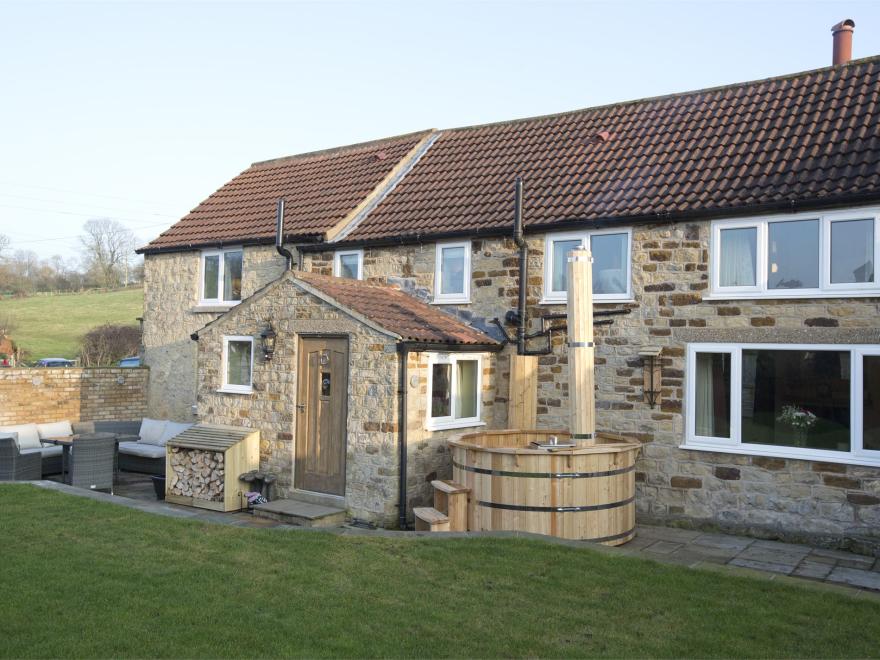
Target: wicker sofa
column 141, row 442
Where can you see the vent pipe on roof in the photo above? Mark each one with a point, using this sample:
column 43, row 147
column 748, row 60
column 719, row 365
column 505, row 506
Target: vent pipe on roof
column 279, row 234
column 842, row 48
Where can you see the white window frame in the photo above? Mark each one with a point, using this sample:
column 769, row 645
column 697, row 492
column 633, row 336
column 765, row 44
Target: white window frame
column 337, row 262
column 231, row 388
column 452, row 298
column 451, row 421
column 735, row 445
column 220, row 275
column 825, row 290
column 551, row 297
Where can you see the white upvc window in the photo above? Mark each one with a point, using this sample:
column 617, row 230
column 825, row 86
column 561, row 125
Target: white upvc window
column 817, row 402
column 221, row 277
column 452, row 273
column 237, row 364
column 804, row 255
column 349, row 264
column 612, row 269
column 454, row 390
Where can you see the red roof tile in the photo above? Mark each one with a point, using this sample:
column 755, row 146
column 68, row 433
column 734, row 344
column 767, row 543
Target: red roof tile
column 396, row 311
column 809, row 137
column 320, row 188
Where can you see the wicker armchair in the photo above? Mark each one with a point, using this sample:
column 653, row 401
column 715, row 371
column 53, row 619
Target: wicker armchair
column 15, row 466
column 92, row 461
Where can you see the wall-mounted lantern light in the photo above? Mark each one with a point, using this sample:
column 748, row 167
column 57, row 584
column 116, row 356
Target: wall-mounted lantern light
column 267, row 339
column 651, row 374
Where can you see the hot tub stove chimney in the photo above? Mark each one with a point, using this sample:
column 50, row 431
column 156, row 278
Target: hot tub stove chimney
column 581, row 358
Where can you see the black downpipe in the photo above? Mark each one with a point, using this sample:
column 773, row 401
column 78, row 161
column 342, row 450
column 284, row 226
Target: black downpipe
column 402, row 351
column 523, row 266
column 279, row 234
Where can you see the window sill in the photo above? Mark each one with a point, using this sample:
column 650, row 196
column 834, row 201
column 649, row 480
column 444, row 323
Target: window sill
column 451, row 301
column 458, row 424
column 231, row 390
column 596, row 301
column 792, row 453
column 752, row 295
column 214, row 308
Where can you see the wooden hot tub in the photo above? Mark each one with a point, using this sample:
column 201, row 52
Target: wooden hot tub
column 586, row 492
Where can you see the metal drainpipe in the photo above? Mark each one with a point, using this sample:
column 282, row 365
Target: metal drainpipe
column 523, row 266
column 279, row 234
column 403, row 352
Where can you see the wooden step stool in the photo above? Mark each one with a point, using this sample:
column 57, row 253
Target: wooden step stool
column 429, row 519
column 452, row 499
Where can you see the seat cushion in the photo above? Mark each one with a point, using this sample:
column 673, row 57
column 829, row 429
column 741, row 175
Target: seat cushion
column 152, row 431
column 173, row 429
column 46, row 452
column 55, row 430
column 28, row 435
column 141, row 449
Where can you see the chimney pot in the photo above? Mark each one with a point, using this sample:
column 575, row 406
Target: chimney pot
column 842, row 48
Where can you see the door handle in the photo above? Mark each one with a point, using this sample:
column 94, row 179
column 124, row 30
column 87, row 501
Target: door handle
column 301, row 407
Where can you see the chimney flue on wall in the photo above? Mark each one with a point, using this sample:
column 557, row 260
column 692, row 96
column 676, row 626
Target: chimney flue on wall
column 843, row 34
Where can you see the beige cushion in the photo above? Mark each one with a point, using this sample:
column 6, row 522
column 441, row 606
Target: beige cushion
column 173, row 429
column 28, row 435
column 152, row 431
column 141, row 449
column 55, row 430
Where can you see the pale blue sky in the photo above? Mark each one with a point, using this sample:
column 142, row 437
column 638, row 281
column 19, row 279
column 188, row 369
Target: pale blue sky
column 138, row 111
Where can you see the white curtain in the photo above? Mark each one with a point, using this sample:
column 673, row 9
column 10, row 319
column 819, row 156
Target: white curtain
column 738, row 256
column 466, row 394
column 705, row 397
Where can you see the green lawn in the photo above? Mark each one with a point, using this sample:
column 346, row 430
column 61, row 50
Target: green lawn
column 88, row 579
column 51, row 326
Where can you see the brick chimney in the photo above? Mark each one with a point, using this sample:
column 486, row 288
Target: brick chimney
column 842, row 50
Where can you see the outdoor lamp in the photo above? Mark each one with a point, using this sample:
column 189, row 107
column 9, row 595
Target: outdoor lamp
column 267, row 339
column 651, row 374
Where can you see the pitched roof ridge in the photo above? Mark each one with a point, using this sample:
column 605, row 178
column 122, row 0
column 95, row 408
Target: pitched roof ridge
column 347, row 281
column 664, row 97
column 339, row 150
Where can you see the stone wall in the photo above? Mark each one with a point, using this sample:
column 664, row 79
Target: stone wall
column 371, row 451
column 76, row 394
column 780, row 497
column 172, row 313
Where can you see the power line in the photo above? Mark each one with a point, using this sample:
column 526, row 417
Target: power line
column 67, row 238
column 79, row 192
column 63, row 201
column 83, row 215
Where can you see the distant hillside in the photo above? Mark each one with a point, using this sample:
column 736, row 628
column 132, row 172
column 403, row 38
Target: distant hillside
column 51, row 325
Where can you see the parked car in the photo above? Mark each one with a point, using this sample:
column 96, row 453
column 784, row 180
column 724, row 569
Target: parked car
column 129, row 362
column 55, row 362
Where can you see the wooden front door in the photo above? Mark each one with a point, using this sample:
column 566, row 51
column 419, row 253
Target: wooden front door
column 321, row 412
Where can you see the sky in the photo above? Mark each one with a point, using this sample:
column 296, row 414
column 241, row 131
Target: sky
column 138, row 111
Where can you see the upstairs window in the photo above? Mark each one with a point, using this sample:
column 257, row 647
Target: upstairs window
column 452, row 273
column 221, row 276
column 349, row 264
column 799, row 256
column 611, row 264
column 454, row 385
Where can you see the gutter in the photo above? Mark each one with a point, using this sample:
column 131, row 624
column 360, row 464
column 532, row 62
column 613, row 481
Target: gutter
column 402, row 353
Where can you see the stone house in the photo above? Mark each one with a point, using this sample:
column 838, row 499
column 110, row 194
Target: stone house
column 735, row 235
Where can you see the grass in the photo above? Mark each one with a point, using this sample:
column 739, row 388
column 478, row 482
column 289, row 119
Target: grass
column 88, row 579
column 52, row 325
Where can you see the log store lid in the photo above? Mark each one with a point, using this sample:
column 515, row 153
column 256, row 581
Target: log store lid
column 210, row 437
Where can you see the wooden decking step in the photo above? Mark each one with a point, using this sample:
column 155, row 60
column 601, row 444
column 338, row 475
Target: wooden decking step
column 448, row 486
column 304, row 514
column 428, row 519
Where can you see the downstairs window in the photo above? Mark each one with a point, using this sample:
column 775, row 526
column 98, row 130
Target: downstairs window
column 454, row 385
column 814, row 402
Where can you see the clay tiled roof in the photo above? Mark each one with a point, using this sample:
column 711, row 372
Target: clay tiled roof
column 320, row 188
column 789, row 142
column 396, row 311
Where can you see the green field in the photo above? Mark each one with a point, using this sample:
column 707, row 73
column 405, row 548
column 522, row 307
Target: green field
column 86, row 579
column 51, row 325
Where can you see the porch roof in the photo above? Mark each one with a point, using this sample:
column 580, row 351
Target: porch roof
column 392, row 309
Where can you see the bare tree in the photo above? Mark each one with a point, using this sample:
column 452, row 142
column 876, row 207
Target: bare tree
column 4, row 244
column 108, row 245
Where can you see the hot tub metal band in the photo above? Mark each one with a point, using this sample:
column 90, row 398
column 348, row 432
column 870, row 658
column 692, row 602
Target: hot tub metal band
column 580, row 344
column 544, row 475
column 556, row 509
column 613, row 537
